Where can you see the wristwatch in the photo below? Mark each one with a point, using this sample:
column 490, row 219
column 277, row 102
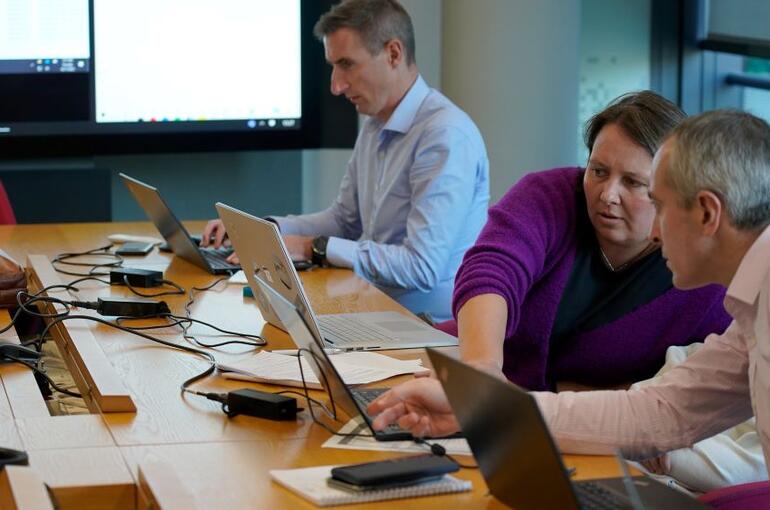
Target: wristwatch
column 318, row 247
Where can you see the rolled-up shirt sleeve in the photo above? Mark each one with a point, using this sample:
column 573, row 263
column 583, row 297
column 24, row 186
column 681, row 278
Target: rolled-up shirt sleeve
column 705, row 395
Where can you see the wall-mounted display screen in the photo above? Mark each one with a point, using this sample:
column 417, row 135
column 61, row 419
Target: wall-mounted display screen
column 102, row 76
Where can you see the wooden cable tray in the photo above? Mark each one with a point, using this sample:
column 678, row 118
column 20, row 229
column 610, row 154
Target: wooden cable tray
column 99, row 383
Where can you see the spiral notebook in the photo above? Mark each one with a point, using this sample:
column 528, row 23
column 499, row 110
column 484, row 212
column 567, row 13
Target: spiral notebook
column 310, row 483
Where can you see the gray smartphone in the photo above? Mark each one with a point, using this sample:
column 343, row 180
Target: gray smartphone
column 134, row 248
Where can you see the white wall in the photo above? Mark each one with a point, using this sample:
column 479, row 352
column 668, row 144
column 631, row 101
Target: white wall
column 513, row 66
column 426, row 18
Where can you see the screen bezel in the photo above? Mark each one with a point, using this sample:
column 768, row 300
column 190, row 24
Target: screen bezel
column 326, row 121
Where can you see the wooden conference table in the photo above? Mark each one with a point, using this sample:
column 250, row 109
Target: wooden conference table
column 191, row 454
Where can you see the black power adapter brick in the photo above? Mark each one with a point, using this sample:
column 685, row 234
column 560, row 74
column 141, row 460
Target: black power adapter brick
column 136, row 277
column 131, row 307
column 261, row 404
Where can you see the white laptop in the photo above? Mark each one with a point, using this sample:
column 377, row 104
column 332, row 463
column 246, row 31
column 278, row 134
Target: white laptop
column 260, row 248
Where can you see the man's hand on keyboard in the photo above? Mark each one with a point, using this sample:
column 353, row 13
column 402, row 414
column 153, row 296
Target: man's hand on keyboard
column 214, row 235
column 419, row 406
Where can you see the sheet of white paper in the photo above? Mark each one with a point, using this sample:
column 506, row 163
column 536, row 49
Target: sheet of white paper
column 457, row 446
column 269, row 366
column 354, row 368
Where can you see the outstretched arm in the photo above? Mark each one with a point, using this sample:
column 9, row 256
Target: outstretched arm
column 706, row 394
column 481, row 322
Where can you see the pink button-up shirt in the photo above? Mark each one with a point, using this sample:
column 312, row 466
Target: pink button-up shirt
column 719, row 386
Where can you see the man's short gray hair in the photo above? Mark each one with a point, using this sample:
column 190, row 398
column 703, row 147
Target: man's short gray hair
column 726, row 152
column 376, row 21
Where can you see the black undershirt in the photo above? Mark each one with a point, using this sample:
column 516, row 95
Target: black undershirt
column 595, row 295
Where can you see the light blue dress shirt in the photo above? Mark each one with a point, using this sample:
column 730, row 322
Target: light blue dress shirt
column 413, row 200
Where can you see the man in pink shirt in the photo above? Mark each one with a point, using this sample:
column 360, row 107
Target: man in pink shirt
column 711, row 189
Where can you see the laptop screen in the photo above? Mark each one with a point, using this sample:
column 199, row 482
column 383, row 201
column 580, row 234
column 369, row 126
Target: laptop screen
column 165, row 221
column 507, row 435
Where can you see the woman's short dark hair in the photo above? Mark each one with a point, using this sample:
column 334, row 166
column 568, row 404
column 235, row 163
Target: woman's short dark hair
column 645, row 117
column 376, row 21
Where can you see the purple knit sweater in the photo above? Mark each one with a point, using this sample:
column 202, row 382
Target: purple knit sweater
column 525, row 254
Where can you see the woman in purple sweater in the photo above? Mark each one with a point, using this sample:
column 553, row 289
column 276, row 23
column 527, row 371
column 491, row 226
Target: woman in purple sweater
column 563, row 283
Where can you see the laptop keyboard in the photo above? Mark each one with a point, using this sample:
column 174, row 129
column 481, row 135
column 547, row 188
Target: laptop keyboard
column 367, row 396
column 364, row 397
column 348, row 329
column 218, row 258
column 592, row 496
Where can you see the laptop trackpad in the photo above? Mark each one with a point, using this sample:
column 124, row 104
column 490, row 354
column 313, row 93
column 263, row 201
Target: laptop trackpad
column 398, row 326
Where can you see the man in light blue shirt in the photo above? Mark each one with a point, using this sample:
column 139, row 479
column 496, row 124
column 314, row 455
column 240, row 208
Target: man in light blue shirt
column 416, row 190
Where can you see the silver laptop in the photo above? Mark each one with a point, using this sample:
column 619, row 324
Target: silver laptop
column 260, row 248
column 353, row 401
column 172, row 230
column 517, row 456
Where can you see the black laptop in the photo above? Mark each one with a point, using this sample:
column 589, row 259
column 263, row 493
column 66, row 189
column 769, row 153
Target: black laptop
column 518, row 458
column 172, row 230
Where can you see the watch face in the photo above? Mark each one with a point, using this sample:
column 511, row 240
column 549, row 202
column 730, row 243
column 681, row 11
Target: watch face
column 319, row 245
column 318, row 255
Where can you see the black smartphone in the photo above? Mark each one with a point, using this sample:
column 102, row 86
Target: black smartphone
column 338, row 484
column 134, row 248
column 389, row 473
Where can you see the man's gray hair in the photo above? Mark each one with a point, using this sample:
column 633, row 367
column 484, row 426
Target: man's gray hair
column 726, row 152
column 376, row 21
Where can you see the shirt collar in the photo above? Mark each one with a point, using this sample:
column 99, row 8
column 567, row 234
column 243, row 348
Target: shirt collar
column 752, row 271
column 403, row 116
